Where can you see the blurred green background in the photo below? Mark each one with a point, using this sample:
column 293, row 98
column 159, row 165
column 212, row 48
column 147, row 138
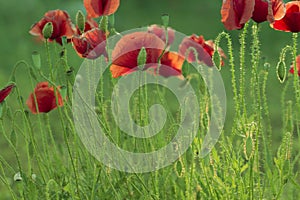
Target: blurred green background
column 201, row 17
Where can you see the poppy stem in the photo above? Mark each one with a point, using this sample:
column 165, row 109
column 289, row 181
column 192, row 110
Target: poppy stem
column 296, row 81
column 13, row 146
column 242, row 39
column 49, row 60
column 232, row 69
column 5, row 181
column 255, row 54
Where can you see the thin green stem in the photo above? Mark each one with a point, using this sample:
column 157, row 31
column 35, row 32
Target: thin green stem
column 257, row 96
column 242, row 70
column 232, row 66
column 49, row 60
column 296, row 82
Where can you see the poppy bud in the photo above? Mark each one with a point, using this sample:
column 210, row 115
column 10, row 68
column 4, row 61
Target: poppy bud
column 185, row 70
column 48, row 30
column 103, row 24
column 281, row 71
column 142, row 58
column 248, row 147
column 165, row 20
column 80, row 21
column 36, row 59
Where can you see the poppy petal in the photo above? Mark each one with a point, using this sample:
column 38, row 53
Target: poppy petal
column 97, row 8
column 263, row 13
column 171, row 64
column 128, row 47
column 291, row 20
column 5, row 92
column 117, row 70
column 235, row 13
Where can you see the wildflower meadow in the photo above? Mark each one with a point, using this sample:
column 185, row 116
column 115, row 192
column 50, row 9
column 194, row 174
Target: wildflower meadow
column 136, row 99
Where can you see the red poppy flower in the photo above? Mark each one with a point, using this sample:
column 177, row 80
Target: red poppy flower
column 90, row 44
column 235, row 13
column 45, row 98
column 97, row 8
column 297, row 64
column 61, row 22
column 5, row 92
column 161, row 33
column 126, row 51
column 204, row 49
column 261, row 11
column 291, row 20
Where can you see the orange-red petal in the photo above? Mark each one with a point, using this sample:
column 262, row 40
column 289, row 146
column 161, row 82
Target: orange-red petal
column 291, row 21
column 97, row 8
column 171, row 64
column 262, row 12
column 235, row 13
